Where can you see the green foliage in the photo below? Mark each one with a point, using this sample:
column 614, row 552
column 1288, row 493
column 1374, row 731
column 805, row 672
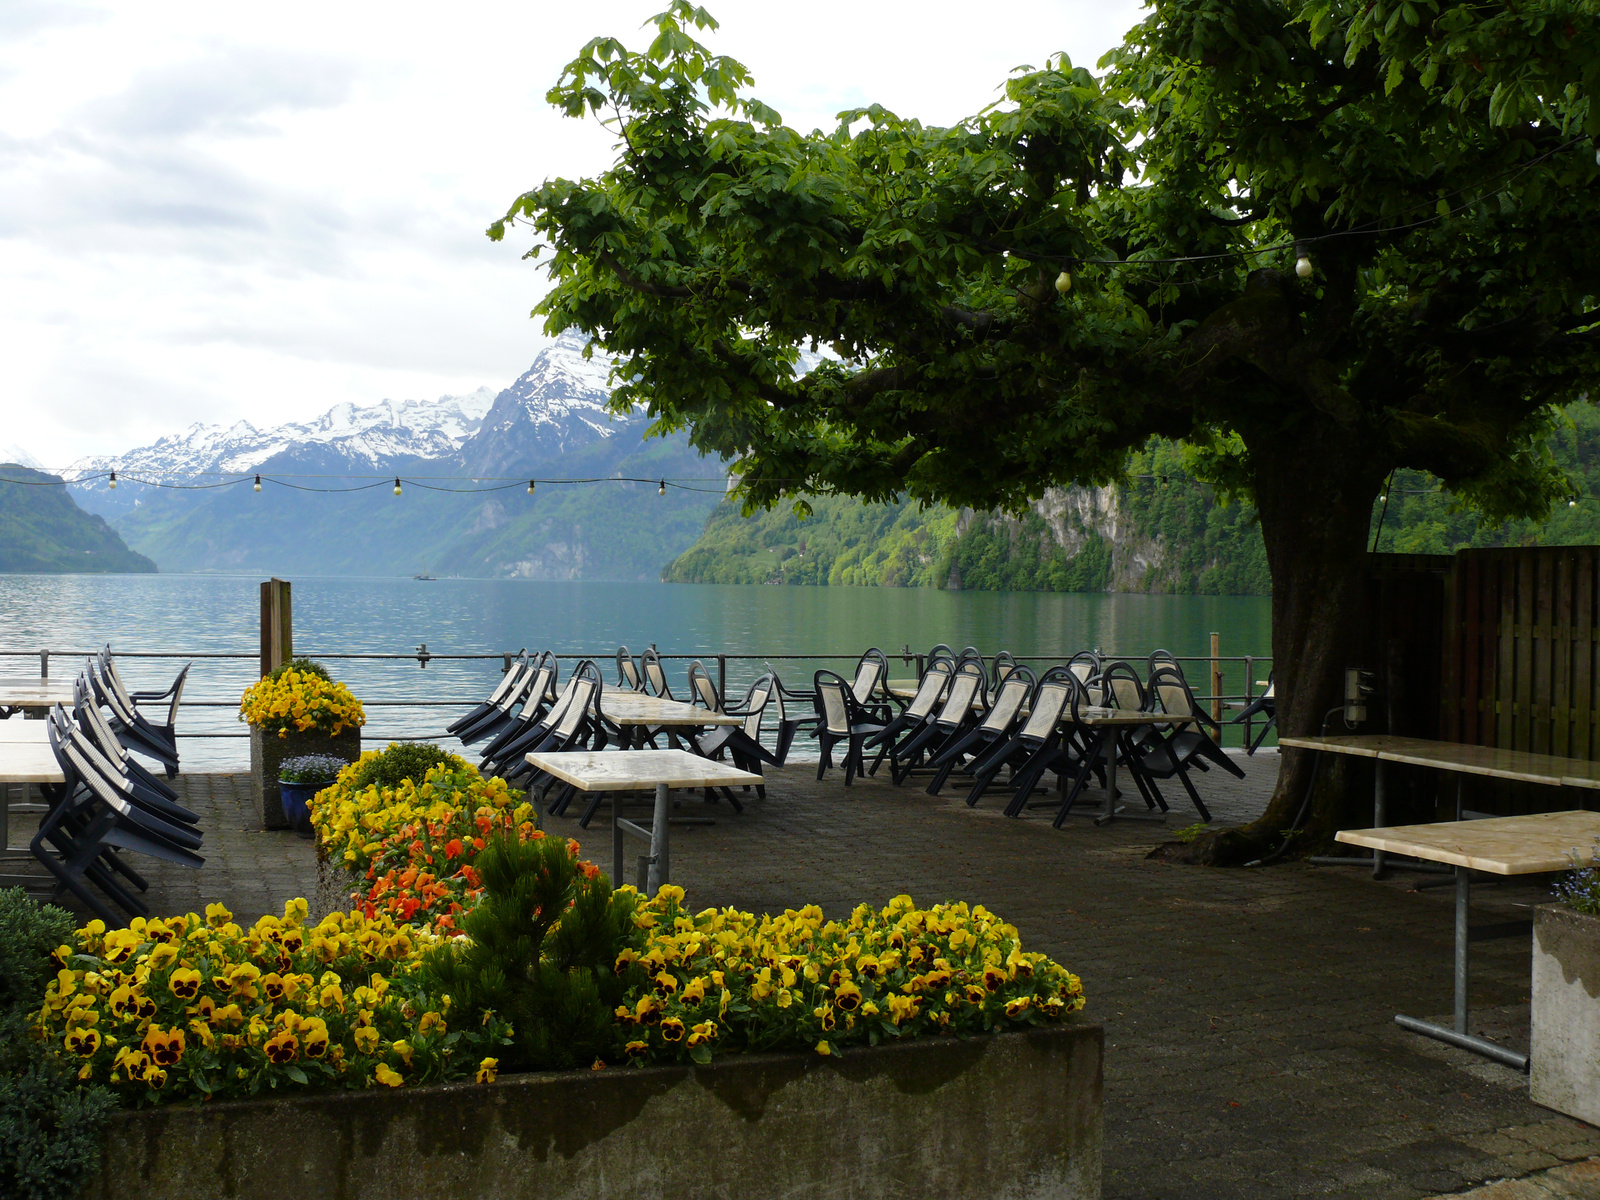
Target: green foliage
column 49, row 1124
column 43, row 529
column 543, row 944
column 398, row 762
column 302, row 666
column 1579, row 888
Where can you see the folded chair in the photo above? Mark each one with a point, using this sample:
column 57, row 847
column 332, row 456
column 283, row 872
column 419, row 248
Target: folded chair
column 1266, row 705
column 509, row 680
column 571, row 719
column 131, row 730
column 930, row 690
column 954, row 715
column 870, row 687
column 628, row 671
column 117, row 764
column 79, row 837
column 843, row 720
column 503, row 713
column 539, row 693
column 1003, row 715
column 1043, row 743
column 165, row 723
column 1171, row 753
column 999, row 667
column 655, row 675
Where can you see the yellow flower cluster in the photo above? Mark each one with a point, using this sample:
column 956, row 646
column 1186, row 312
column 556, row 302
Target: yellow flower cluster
column 297, row 701
column 726, row 981
column 199, row 1006
column 353, row 823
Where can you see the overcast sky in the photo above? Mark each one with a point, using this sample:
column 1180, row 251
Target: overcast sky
column 212, row 211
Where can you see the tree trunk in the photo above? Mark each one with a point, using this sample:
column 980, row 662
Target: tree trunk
column 1314, row 492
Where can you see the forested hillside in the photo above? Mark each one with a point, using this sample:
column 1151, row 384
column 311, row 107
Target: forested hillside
column 43, row 530
column 1160, row 532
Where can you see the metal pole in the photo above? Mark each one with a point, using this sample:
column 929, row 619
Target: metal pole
column 722, row 678
column 616, row 839
column 658, row 842
column 1216, row 677
column 1463, row 893
column 1249, row 694
column 44, row 664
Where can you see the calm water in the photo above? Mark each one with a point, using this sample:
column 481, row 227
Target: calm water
column 219, row 614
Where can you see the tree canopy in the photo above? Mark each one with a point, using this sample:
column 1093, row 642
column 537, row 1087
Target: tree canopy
column 1317, row 240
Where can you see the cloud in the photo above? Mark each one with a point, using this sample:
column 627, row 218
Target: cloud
column 210, row 212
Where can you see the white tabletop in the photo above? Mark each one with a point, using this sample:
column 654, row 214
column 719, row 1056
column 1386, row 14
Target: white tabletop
column 631, row 770
column 641, row 708
column 32, row 692
column 1123, row 716
column 19, row 732
column 1520, row 765
column 1527, row 845
column 29, row 763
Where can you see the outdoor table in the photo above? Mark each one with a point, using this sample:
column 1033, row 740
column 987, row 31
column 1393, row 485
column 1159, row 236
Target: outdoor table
column 22, row 762
column 1533, row 844
column 619, row 771
column 1521, row 766
column 1113, row 720
column 28, row 733
column 640, row 710
column 32, row 695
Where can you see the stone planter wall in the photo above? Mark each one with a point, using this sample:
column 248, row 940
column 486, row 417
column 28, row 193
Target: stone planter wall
column 1565, row 1071
column 1015, row 1116
column 267, row 751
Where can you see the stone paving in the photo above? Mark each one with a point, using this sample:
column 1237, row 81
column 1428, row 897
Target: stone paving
column 1251, row 1050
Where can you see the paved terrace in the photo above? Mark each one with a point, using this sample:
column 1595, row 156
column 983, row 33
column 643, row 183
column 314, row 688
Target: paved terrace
column 1250, row 1046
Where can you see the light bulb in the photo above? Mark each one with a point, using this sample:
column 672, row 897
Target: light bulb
column 397, row 485
column 662, row 490
column 113, row 481
column 258, row 483
column 1383, row 497
column 530, row 487
column 1573, row 503
column 1302, row 266
column 1064, row 282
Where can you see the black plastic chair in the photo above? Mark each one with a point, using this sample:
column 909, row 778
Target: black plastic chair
column 539, row 694
column 954, row 714
column 1173, row 752
column 508, row 680
column 870, row 687
column 132, row 731
column 1003, row 715
column 1266, row 705
column 628, row 671
column 1000, row 666
column 930, row 690
column 655, row 675
column 789, row 726
column 503, row 713
column 843, row 720
column 1042, row 743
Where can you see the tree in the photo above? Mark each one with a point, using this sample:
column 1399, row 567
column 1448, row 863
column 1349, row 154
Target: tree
column 1317, row 240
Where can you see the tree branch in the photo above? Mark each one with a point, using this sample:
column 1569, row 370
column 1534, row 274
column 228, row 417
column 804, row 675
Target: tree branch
column 627, row 279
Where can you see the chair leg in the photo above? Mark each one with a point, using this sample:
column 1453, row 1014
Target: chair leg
column 1194, row 796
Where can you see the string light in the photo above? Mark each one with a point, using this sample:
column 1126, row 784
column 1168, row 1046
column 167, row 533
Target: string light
column 258, row 483
column 1302, row 264
column 1064, row 282
column 662, row 490
column 397, row 485
column 113, row 482
column 530, row 487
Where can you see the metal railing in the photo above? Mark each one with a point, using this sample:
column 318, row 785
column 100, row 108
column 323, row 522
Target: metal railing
column 1216, row 698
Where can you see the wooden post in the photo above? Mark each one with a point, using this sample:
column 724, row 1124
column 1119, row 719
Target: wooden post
column 277, row 625
column 1216, row 677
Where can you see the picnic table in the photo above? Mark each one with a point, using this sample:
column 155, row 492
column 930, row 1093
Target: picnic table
column 31, row 694
column 618, row 771
column 1521, row 766
column 1532, row 844
column 635, row 711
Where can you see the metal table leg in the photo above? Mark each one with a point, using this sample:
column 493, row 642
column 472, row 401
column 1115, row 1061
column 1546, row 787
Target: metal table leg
column 1380, row 865
column 616, row 840
column 1458, row 1036
column 658, row 842
column 1112, row 812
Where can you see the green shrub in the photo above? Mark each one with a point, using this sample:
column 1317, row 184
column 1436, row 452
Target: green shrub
column 401, row 761
column 305, row 666
column 543, row 945
column 49, row 1125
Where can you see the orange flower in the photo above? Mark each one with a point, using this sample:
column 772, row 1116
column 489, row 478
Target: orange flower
column 452, row 848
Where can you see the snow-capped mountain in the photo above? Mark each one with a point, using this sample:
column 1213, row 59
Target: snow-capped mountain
column 367, row 435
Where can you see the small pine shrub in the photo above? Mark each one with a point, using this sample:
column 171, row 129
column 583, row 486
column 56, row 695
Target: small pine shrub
column 401, row 761
column 49, row 1124
column 543, row 948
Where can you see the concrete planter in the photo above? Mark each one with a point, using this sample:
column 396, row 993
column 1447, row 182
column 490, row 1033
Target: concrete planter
column 1565, row 1071
column 335, row 884
column 267, row 752
column 1015, row 1116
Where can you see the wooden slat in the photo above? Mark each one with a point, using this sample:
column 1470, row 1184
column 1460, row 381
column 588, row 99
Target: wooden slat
column 1505, row 669
column 1583, row 653
column 1540, row 671
column 1561, row 655
column 1468, row 649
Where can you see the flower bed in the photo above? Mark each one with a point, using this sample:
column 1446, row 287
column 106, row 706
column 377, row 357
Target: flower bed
column 201, row 1007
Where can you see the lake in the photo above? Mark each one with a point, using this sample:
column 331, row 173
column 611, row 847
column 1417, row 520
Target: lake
column 190, row 614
